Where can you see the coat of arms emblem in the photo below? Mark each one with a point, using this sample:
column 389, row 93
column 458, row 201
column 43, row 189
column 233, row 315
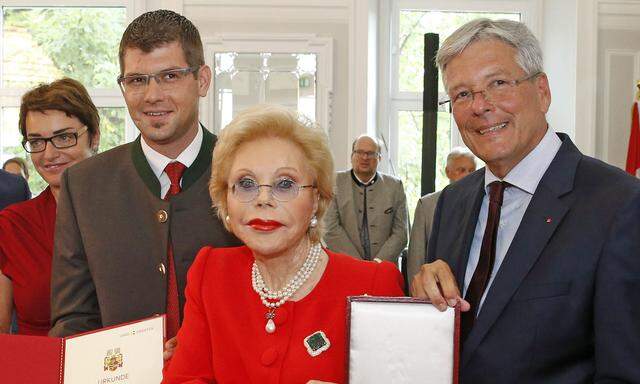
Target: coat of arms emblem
column 113, row 360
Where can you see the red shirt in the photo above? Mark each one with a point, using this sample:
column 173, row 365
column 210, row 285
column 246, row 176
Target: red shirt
column 26, row 248
column 223, row 337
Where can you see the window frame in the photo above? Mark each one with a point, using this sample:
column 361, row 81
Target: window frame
column 322, row 47
column 395, row 100
column 101, row 97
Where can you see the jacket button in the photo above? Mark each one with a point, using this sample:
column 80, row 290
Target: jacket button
column 161, row 268
column 162, row 216
column 269, row 357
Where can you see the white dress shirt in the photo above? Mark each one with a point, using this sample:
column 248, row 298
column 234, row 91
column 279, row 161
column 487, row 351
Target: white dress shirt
column 158, row 161
column 524, row 179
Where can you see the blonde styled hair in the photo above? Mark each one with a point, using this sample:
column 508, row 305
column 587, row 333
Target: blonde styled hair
column 272, row 121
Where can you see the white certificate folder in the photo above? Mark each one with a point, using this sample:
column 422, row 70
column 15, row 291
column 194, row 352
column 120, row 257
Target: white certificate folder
column 124, row 354
column 398, row 340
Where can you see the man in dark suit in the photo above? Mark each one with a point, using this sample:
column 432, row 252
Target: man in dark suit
column 544, row 241
column 131, row 220
column 13, row 189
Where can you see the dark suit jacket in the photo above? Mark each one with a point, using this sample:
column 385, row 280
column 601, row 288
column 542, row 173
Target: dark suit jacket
column 565, row 305
column 13, row 189
column 111, row 238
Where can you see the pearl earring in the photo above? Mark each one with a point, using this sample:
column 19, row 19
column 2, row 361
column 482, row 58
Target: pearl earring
column 227, row 219
column 314, row 222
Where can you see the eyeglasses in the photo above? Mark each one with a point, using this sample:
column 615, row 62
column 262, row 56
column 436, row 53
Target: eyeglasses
column 496, row 91
column 246, row 189
column 60, row 141
column 366, row 154
column 167, row 80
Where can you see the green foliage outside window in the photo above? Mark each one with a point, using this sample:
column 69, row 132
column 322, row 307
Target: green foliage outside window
column 44, row 44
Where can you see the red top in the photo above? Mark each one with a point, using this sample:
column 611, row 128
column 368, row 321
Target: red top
column 223, row 337
column 26, row 248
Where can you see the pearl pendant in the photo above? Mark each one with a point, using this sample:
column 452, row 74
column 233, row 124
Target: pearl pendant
column 270, row 327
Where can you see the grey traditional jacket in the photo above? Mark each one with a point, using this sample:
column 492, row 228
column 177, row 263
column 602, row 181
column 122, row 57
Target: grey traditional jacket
column 387, row 217
column 112, row 235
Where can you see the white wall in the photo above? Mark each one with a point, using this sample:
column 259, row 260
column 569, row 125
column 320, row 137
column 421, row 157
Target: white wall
column 618, row 72
column 568, row 30
column 559, row 50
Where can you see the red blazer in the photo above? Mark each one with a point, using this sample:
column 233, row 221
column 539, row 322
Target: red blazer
column 26, row 248
column 223, row 340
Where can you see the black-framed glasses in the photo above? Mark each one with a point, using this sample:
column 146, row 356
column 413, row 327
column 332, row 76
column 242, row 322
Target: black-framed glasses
column 167, row 80
column 496, row 91
column 366, row 154
column 60, row 141
column 283, row 190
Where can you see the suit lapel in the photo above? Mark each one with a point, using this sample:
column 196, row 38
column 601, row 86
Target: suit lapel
column 468, row 224
column 542, row 217
column 348, row 210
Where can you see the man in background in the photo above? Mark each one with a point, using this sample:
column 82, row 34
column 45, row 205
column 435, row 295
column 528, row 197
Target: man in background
column 17, row 166
column 460, row 163
column 367, row 218
column 13, row 189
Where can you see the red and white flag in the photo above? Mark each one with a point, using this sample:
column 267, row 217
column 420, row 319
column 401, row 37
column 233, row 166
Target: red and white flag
column 633, row 155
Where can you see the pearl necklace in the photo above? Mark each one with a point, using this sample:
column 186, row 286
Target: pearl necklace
column 274, row 299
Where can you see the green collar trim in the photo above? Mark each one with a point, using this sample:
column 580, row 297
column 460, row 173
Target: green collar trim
column 202, row 162
column 191, row 174
column 144, row 169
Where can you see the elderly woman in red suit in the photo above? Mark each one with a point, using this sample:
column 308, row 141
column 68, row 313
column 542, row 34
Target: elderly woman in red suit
column 272, row 311
column 60, row 127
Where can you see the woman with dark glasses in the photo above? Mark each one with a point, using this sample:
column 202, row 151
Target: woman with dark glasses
column 60, row 127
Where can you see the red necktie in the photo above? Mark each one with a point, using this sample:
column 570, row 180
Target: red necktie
column 487, row 258
column 174, row 170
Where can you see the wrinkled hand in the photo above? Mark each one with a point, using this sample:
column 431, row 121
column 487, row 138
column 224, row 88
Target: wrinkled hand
column 169, row 348
column 436, row 283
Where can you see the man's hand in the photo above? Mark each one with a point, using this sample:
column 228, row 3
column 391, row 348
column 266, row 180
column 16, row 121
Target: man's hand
column 436, row 283
column 169, row 348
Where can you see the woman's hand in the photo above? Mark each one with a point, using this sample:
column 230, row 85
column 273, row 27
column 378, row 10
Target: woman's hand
column 169, row 348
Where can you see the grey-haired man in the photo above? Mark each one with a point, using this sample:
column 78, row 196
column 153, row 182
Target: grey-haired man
column 543, row 243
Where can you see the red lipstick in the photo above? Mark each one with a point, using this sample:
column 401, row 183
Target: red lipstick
column 264, row 225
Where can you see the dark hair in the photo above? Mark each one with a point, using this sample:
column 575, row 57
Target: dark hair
column 22, row 163
column 66, row 95
column 156, row 28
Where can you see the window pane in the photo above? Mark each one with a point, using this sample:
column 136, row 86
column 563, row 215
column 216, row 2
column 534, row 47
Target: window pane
column 410, row 157
column 246, row 79
column 43, row 44
column 111, row 127
column 412, row 27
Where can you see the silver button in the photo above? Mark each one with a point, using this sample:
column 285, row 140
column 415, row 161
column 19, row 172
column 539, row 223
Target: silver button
column 161, row 268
